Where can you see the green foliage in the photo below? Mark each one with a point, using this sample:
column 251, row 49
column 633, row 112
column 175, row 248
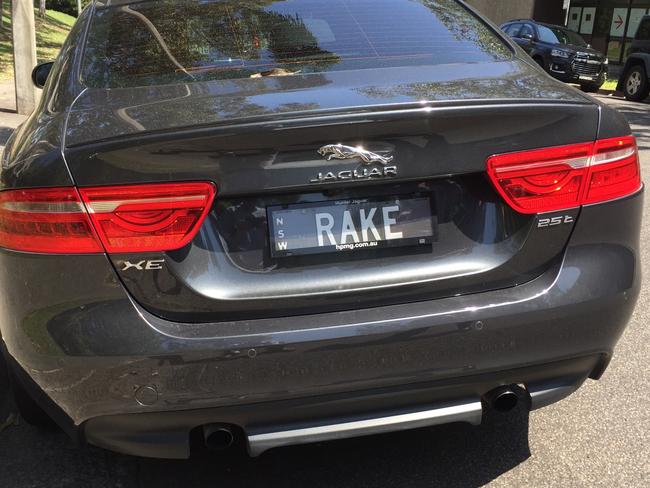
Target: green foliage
column 67, row 6
column 51, row 31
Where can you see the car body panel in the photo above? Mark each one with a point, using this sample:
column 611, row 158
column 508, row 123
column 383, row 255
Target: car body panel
column 137, row 362
column 273, row 163
column 120, row 112
column 94, row 349
column 267, row 149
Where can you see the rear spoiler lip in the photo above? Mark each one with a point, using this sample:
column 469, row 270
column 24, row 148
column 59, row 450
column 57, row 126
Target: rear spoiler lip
column 104, row 113
column 290, row 120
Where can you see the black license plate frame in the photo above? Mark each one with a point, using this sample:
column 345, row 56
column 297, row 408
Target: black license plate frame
column 415, row 219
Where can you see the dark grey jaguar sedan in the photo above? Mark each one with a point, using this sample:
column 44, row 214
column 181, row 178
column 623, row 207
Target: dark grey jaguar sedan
column 269, row 222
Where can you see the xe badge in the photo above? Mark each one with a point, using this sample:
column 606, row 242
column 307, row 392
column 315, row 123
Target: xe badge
column 151, row 265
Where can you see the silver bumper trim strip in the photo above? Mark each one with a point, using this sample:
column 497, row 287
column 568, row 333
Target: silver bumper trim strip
column 470, row 412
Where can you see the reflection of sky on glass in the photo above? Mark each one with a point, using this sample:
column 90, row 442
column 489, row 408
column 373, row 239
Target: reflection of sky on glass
column 385, row 28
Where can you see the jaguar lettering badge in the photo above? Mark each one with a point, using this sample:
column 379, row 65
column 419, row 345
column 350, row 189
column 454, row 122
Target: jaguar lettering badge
column 339, row 151
column 357, row 174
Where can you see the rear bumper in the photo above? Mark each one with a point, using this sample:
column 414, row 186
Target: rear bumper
column 134, row 383
column 326, row 417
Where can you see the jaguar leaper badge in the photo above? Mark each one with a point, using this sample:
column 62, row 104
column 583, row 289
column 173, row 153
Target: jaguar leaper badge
column 339, row 151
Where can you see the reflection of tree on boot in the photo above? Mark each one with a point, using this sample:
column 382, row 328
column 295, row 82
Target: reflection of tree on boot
column 275, row 72
column 260, row 44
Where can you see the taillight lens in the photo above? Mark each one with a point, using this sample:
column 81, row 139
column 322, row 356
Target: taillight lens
column 46, row 221
column 143, row 218
column 123, row 219
column 559, row 178
column 614, row 171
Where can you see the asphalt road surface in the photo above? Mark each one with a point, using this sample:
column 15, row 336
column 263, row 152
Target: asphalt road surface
column 598, row 437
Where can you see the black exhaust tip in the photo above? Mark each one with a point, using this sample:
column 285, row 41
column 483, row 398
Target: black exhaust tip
column 502, row 399
column 218, row 437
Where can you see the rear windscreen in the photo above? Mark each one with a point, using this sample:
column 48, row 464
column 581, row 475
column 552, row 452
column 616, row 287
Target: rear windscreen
column 170, row 41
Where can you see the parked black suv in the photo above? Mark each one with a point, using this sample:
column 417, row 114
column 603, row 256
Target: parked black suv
column 634, row 81
column 561, row 52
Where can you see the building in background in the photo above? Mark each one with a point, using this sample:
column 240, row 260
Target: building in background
column 551, row 11
column 500, row 11
column 609, row 25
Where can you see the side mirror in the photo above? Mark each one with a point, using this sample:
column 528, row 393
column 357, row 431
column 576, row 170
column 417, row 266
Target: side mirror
column 527, row 37
column 40, row 74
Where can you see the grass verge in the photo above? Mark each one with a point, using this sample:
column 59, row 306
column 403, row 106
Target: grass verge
column 610, row 85
column 51, row 31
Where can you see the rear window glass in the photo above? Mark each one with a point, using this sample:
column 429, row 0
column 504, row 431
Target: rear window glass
column 170, row 41
column 643, row 33
column 556, row 35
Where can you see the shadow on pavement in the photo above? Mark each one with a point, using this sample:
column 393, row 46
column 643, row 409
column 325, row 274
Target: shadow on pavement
column 451, row 456
column 455, row 455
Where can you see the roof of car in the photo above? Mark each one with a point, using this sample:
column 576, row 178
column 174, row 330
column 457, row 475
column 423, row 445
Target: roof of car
column 554, row 26
column 532, row 21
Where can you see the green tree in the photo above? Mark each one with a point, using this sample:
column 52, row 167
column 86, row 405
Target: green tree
column 70, row 7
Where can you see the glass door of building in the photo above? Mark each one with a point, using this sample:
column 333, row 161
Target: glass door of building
column 608, row 25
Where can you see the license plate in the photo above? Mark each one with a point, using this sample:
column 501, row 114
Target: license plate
column 351, row 225
column 589, row 78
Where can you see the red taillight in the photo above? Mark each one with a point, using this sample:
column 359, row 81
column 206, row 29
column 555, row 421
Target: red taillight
column 146, row 218
column 46, row 221
column 124, row 219
column 615, row 170
column 558, row 178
